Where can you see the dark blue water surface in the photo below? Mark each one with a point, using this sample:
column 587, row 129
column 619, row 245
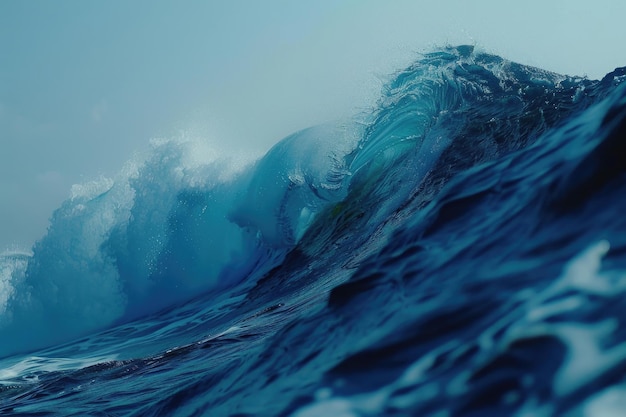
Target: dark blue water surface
column 459, row 250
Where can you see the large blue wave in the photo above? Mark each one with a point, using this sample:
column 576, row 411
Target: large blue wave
column 172, row 227
column 165, row 230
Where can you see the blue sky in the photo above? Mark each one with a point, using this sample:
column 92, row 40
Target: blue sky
column 85, row 84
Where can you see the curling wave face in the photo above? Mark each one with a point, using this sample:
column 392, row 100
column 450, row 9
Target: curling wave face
column 172, row 228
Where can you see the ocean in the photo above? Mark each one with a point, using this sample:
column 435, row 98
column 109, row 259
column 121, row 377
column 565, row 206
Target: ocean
column 457, row 250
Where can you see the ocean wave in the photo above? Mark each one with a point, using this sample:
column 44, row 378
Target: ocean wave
column 174, row 227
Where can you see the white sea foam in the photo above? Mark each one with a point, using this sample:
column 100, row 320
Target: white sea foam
column 27, row 369
column 186, row 220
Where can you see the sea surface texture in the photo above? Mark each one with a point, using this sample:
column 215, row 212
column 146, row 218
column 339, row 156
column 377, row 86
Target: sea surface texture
column 458, row 250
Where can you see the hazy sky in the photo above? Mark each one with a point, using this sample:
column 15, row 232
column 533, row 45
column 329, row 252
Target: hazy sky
column 85, row 84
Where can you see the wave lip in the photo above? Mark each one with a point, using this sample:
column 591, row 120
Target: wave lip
column 297, row 178
column 450, row 82
column 453, row 109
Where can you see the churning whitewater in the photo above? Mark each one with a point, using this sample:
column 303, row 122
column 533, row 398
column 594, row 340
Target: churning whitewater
column 459, row 250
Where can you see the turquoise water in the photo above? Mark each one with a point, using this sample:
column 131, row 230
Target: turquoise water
column 458, row 250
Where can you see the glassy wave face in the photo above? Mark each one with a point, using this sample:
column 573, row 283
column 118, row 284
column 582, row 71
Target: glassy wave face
column 460, row 250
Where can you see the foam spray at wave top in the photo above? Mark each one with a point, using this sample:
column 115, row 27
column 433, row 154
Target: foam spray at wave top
column 181, row 223
column 472, row 163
